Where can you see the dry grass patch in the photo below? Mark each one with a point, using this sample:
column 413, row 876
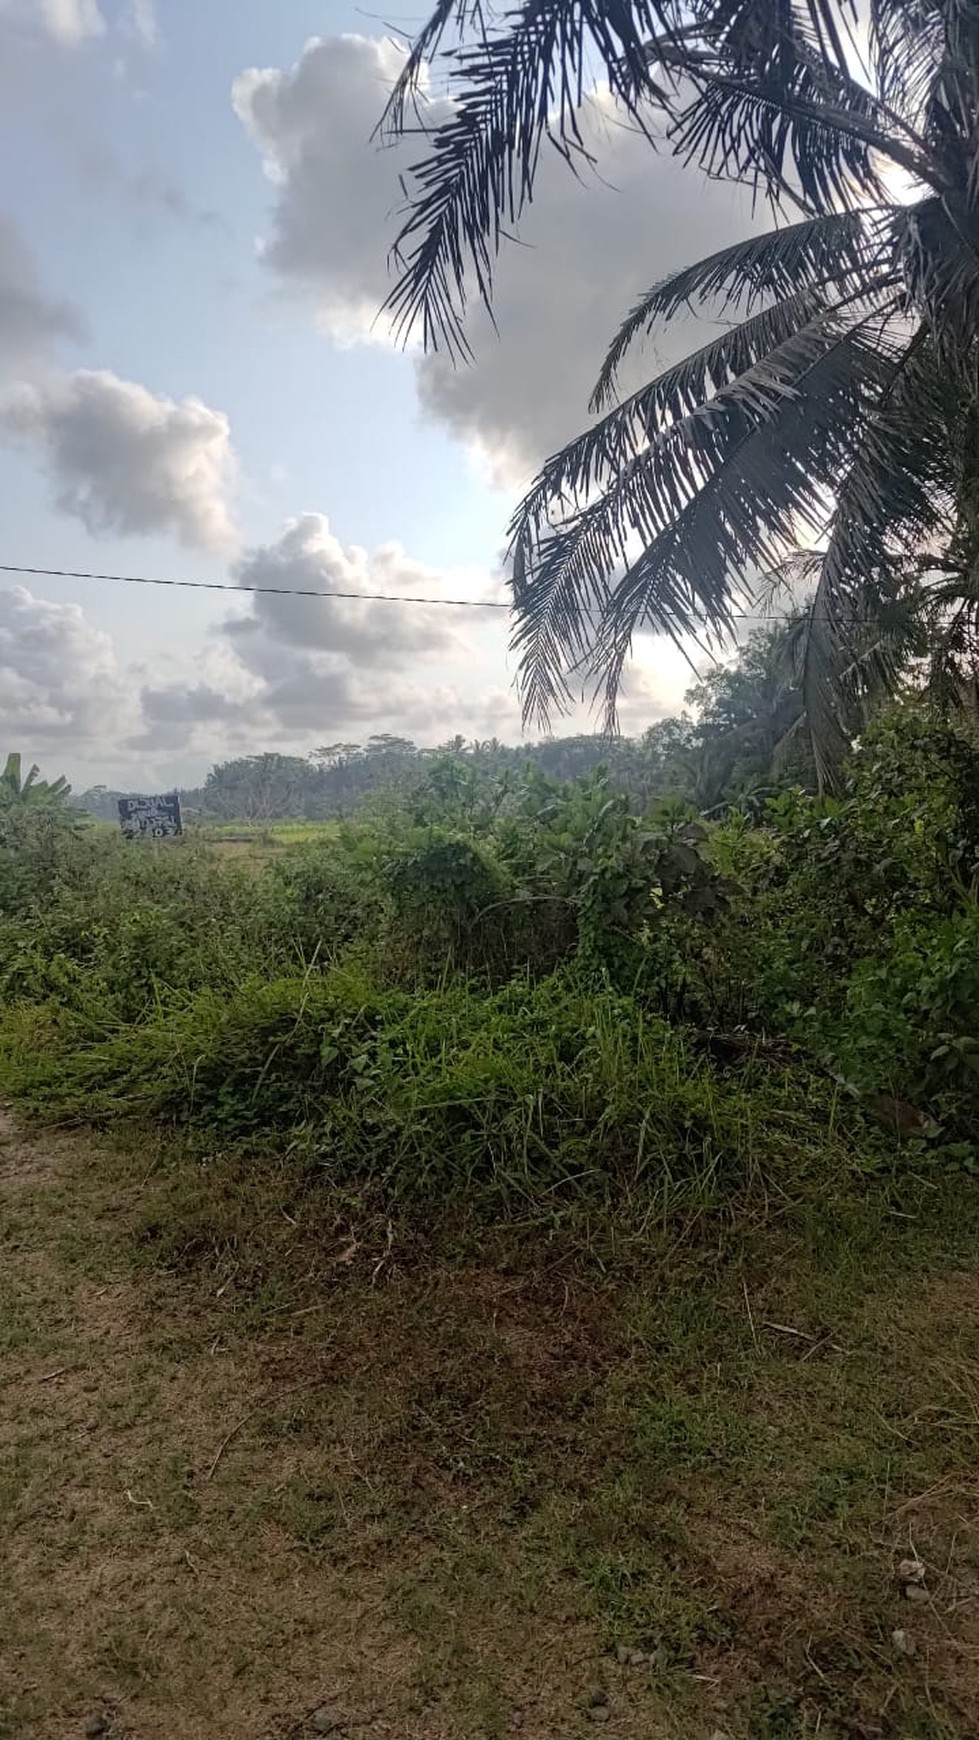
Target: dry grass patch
column 263, row 1453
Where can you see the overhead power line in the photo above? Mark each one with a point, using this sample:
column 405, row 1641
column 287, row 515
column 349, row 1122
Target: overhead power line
column 299, row 591
column 232, row 586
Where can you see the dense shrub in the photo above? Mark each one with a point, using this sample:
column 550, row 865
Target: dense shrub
column 529, row 1088
column 545, row 987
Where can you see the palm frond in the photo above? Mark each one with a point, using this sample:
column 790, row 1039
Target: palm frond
column 773, row 102
column 560, row 573
column 740, row 358
column 467, row 16
column 906, row 42
column 891, row 500
column 808, row 132
column 511, row 91
column 758, row 32
column 769, row 486
column 952, row 674
column 837, row 688
column 824, row 251
column 715, row 494
column 938, row 244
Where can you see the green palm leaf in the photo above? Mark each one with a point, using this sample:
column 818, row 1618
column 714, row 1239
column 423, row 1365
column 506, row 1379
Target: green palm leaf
column 823, row 252
column 696, row 497
column 845, row 402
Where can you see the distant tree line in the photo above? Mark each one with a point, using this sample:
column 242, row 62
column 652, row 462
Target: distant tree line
column 739, row 735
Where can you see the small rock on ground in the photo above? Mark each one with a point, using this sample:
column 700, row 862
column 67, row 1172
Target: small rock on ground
column 903, row 1642
column 95, row 1726
column 599, row 1713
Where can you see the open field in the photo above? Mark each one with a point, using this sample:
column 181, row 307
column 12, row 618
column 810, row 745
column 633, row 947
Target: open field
column 257, row 843
column 269, row 1460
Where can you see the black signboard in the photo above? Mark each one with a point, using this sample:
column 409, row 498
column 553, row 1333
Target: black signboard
column 150, row 818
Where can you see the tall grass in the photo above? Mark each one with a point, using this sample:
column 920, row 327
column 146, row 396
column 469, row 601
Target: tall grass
column 522, row 1006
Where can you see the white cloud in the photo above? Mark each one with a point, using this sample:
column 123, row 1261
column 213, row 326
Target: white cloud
column 60, row 683
column 262, row 681
column 300, row 668
column 122, row 459
column 337, row 193
column 140, row 22
column 369, row 633
column 587, row 246
column 65, row 22
column 28, row 318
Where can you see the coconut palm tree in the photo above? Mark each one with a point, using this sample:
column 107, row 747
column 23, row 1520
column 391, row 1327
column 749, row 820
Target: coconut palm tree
column 839, row 406
column 17, row 789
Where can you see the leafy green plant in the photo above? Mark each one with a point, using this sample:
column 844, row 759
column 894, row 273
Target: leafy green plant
column 911, row 1026
column 612, row 873
column 451, row 902
column 18, row 788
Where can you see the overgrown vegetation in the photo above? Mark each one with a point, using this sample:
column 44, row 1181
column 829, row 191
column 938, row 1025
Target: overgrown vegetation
column 522, row 983
column 739, row 732
column 580, row 1192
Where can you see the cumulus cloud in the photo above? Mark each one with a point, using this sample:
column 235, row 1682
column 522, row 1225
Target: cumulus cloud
column 259, row 682
column 336, row 193
column 587, row 248
column 28, row 318
column 293, row 670
column 329, row 665
column 369, row 633
column 65, row 22
column 302, row 669
column 61, row 686
column 122, row 459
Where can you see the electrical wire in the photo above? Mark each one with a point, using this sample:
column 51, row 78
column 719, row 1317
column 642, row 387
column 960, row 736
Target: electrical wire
column 296, row 591
column 232, row 586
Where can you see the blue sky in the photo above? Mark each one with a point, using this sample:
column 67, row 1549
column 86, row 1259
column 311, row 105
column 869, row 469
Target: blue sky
column 141, row 210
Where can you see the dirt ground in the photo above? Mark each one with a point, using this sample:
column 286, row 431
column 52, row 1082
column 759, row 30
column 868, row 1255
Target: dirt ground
column 264, row 1473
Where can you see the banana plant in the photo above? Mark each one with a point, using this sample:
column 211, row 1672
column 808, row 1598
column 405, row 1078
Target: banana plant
column 17, row 789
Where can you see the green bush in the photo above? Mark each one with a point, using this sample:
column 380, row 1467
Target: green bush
column 537, row 988
column 451, row 904
column 911, row 1026
column 528, row 1089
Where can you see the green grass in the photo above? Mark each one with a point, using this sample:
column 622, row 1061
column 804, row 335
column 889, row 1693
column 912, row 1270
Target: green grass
column 287, row 833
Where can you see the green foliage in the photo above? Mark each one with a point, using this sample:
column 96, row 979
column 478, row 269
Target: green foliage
column 16, row 789
column 526, row 986
column 526, row 1090
column 450, row 902
column 612, row 874
column 34, row 843
column 911, row 1025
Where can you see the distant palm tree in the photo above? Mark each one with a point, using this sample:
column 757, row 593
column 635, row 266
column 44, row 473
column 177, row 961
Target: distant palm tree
column 840, row 404
column 16, row 790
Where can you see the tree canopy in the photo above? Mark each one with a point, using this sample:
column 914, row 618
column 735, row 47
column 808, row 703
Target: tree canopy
column 838, row 404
